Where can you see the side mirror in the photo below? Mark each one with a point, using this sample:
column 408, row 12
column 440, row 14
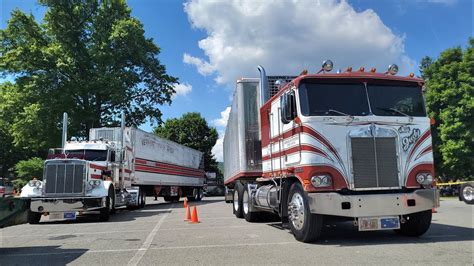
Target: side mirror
column 288, row 107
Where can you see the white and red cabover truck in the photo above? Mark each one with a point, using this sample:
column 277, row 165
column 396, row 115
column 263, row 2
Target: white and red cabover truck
column 352, row 144
column 117, row 167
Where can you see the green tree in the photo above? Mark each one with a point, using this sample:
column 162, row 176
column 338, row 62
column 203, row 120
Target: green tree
column 450, row 100
column 89, row 58
column 192, row 130
column 28, row 169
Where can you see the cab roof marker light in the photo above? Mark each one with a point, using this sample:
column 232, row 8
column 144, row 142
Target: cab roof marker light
column 361, row 69
column 392, row 69
column 327, row 66
column 412, row 75
column 349, row 69
column 373, row 70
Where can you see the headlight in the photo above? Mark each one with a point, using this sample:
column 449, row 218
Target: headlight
column 424, row 178
column 35, row 183
column 321, row 181
column 94, row 183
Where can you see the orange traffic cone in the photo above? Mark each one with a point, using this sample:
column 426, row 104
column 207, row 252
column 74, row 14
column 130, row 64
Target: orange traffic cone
column 194, row 216
column 185, row 202
column 187, row 215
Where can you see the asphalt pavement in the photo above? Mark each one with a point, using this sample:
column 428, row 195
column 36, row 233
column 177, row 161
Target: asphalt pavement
column 157, row 234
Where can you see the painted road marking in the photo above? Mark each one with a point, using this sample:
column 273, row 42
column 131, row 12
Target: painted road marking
column 146, row 245
column 157, row 248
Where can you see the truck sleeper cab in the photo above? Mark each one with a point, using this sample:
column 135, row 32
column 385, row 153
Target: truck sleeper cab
column 354, row 145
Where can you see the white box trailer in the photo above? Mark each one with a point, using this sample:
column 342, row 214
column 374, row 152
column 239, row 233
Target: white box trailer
column 158, row 166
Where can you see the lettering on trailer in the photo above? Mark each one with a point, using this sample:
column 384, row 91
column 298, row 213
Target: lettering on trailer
column 156, row 145
column 409, row 140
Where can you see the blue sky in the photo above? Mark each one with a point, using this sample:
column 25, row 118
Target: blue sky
column 209, row 44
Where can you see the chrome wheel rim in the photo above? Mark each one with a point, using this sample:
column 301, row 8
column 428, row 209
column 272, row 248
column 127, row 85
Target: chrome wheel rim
column 296, row 211
column 245, row 202
column 236, row 200
column 467, row 193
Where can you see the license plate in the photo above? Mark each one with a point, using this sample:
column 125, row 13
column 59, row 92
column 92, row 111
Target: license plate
column 62, row 216
column 378, row 223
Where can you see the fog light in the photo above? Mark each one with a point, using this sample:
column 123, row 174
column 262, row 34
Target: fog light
column 424, row 179
column 321, row 181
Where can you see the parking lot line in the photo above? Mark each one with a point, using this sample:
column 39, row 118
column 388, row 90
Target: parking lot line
column 139, row 254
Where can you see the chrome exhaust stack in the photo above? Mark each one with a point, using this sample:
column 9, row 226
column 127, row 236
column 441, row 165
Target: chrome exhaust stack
column 64, row 133
column 264, row 93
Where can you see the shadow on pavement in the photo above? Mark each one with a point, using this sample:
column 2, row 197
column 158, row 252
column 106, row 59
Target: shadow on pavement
column 345, row 234
column 45, row 255
column 152, row 208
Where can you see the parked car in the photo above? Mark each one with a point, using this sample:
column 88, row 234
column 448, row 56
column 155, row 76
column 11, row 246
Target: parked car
column 6, row 188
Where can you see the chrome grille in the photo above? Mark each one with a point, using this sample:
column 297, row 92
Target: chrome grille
column 64, row 178
column 374, row 162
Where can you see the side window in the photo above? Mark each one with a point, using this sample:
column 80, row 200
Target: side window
column 288, row 107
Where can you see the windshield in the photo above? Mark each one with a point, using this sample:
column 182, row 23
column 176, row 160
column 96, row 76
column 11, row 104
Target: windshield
column 387, row 100
column 333, row 99
column 89, row 155
column 323, row 99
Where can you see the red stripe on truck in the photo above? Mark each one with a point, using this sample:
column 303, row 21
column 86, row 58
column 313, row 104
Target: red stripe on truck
column 151, row 169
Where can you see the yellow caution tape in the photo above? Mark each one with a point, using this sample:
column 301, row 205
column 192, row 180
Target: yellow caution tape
column 451, row 183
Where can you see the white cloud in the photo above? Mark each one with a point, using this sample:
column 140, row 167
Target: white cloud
column 288, row 36
column 182, row 89
column 218, row 149
column 222, row 121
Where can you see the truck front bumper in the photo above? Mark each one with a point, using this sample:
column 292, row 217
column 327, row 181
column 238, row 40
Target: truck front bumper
column 43, row 205
column 373, row 205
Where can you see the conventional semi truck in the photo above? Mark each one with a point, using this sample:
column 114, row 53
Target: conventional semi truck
column 353, row 144
column 117, row 167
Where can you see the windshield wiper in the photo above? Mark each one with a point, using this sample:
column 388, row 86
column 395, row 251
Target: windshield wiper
column 396, row 111
column 341, row 113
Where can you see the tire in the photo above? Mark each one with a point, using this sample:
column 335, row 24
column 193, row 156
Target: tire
column 250, row 217
column 112, row 193
column 466, row 193
column 416, row 224
column 237, row 199
column 104, row 214
column 143, row 203
column 305, row 226
column 33, row 217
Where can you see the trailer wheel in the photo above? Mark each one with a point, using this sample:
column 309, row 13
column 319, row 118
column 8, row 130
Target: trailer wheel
column 467, row 193
column 33, row 217
column 237, row 198
column 416, row 224
column 246, row 202
column 304, row 225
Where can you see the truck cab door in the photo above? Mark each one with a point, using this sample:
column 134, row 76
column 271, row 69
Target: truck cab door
column 290, row 141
